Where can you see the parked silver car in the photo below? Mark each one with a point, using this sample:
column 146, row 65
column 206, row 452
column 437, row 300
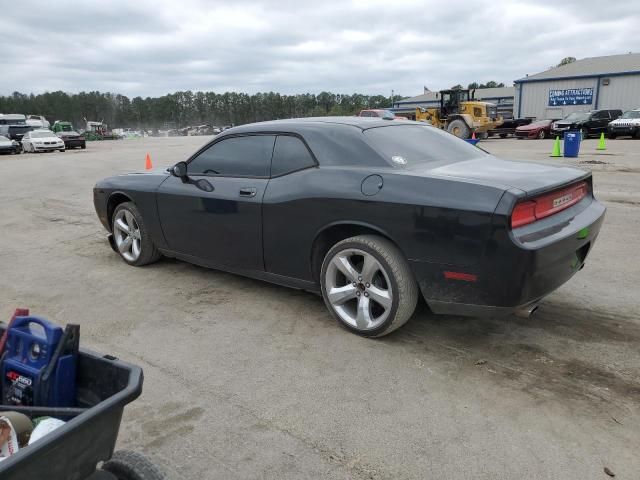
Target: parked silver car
column 42, row 141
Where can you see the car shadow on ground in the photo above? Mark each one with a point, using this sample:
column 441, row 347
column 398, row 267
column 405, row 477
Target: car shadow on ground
column 542, row 355
column 539, row 355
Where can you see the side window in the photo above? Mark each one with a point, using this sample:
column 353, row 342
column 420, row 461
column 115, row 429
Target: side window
column 248, row 156
column 601, row 115
column 290, row 154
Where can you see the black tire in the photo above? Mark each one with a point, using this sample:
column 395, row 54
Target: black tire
column 503, row 135
column 127, row 465
column 611, row 136
column 400, row 277
column 83, row 147
column 148, row 251
column 459, row 126
column 541, row 135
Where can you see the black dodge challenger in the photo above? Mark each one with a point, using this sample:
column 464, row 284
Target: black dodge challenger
column 368, row 212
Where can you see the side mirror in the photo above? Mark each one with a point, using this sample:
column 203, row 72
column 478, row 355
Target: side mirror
column 179, row 170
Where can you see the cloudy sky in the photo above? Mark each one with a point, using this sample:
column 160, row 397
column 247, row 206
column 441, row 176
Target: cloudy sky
column 140, row 47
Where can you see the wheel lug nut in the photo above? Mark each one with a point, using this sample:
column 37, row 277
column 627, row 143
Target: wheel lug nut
column 359, row 279
column 355, row 284
column 357, row 294
column 367, row 285
column 366, row 294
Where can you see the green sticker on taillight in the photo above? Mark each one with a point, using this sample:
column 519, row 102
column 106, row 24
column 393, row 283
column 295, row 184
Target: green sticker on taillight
column 584, row 233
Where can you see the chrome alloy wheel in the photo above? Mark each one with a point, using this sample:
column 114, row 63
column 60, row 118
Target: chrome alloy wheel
column 126, row 233
column 358, row 289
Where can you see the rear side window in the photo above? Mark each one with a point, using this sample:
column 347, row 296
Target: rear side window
column 289, row 155
column 414, row 145
column 247, row 156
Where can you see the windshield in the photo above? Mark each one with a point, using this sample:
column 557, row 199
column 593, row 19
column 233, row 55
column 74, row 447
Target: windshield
column 414, row 145
column 631, row 114
column 41, row 134
column 577, row 116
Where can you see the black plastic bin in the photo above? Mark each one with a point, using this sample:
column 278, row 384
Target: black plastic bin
column 104, row 386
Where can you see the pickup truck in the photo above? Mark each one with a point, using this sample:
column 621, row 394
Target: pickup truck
column 509, row 126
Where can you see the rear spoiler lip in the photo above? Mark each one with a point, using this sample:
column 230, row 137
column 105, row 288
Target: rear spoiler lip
column 587, row 177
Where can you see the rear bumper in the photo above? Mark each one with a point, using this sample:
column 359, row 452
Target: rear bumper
column 519, row 267
column 74, row 143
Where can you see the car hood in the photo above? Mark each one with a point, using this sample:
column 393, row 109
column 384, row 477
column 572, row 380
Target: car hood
column 531, row 127
column 525, row 176
column 153, row 171
column 4, row 142
column 45, row 139
column 626, row 122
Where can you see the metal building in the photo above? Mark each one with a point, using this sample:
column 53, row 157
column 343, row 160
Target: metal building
column 587, row 84
column 503, row 97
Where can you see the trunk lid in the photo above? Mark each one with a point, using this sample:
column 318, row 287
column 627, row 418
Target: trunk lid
column 531, row 178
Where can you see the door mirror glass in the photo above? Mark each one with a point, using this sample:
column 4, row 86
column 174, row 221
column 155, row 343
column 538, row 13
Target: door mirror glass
column 179, row 170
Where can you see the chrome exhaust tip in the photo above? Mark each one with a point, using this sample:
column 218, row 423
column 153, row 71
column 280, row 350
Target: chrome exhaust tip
column 526, row 312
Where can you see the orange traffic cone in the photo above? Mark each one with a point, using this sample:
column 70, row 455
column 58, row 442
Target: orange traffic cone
column 148, row 165
column 473, row 135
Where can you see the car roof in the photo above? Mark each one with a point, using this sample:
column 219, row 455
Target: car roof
column 294, row 124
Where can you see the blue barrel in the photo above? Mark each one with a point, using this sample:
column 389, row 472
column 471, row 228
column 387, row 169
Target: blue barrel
column 572, row 143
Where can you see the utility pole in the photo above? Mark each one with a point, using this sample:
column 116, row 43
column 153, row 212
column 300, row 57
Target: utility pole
column 391, row 97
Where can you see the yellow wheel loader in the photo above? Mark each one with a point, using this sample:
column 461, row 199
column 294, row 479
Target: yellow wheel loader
column 460, row 114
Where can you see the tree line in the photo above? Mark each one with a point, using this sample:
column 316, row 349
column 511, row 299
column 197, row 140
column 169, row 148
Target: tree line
column 186, row 108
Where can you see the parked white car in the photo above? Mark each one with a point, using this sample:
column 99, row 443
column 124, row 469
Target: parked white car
column 42, row 141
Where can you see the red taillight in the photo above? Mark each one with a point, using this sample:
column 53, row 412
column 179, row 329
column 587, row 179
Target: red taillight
column 523, row 213
column 547, row 204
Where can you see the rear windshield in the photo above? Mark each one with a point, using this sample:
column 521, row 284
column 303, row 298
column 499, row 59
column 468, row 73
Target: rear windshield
column 415, row 145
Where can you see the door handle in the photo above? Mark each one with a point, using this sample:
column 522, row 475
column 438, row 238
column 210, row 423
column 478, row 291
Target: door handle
column 248, row 192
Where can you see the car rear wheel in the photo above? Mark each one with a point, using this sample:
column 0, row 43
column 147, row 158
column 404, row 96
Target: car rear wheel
column 541, row 134
column 611, row 136
column 368, row 286
column 131, row 237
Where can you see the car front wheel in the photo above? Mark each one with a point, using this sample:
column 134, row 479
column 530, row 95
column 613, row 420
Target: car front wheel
column 541, row 134
column 131, row 237
column 368, row 286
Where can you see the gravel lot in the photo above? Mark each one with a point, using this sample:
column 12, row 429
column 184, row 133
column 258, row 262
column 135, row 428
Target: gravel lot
column 246, row 380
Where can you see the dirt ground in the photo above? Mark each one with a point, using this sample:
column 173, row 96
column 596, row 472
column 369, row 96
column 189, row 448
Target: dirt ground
column 247, row 380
